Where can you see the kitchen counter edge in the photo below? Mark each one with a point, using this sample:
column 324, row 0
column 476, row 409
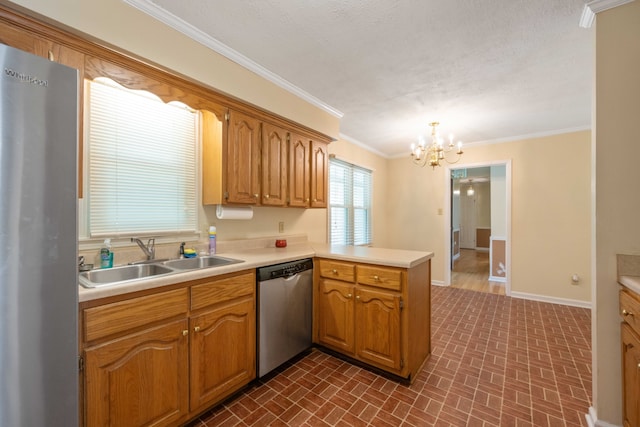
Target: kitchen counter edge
column 256, row 258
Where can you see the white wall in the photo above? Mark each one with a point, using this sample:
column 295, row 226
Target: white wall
column 617, row 175
column 499, row 201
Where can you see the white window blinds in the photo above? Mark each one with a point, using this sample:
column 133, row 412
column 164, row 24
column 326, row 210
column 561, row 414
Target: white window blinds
column 142, row 163
column 349, row 203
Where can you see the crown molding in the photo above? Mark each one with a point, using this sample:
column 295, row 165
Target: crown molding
column 597, row 6
column 155, row 11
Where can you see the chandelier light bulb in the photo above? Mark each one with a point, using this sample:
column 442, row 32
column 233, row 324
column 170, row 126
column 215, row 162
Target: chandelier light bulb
column 435, row 152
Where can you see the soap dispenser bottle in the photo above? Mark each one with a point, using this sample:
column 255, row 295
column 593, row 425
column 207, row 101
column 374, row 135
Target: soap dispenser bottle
column 212, row 240
column 106, row 255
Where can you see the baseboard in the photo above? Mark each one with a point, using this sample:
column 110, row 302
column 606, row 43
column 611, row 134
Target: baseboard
column 438, row 283
column 552, row 300
column 497, row 279
column 479, row 249
column 592, row 419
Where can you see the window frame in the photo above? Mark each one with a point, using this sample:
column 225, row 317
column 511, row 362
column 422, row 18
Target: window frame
column 351, row 226
column 86, row 241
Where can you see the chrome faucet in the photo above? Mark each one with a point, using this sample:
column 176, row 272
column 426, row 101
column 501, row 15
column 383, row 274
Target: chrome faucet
column 149, row 250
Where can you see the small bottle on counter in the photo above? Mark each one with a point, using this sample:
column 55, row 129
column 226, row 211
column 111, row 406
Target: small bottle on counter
column 212, row 240
column 106, row 255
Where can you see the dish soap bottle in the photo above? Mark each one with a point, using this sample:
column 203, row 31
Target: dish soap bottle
column 212, row 240
column 106, row 255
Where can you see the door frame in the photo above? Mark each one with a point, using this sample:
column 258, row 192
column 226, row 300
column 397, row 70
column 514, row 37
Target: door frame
column 447, row 217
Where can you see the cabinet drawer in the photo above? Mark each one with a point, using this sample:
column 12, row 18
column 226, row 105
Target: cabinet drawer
column 122, row 316
column 380, row 277
column 337, row 270
column 630, row 304
column 222, row 290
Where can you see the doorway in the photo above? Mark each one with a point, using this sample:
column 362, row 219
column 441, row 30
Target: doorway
column 477, row 227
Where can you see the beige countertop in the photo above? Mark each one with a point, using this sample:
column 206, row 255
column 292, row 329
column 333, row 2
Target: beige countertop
column 260, row 257
column 630, row 282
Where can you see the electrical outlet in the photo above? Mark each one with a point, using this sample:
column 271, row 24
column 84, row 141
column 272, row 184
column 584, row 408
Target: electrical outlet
column 281, row 227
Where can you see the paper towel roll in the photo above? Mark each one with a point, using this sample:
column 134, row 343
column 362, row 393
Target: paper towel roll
column 234, row 212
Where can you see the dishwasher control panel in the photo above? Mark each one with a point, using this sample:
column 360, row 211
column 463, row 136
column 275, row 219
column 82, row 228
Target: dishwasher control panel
column 284, row 270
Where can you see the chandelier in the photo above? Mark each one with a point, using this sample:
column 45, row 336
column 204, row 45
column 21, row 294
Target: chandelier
column 436, row 152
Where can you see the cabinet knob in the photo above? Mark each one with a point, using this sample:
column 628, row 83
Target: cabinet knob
column 626, row 313
column 266, row 196
column 349, row 295
column 376, row 278
column 197, row 329
column 334, row 271
column 638, row 365
column 315, row 200
column 358, row 297
column 256, row 195
column 306, row 200
column 185, row 332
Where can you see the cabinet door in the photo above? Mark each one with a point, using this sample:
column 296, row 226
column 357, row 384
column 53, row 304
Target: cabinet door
column 631, row 376
column 223, row 352
column 242, row 162
column 299, row 171
column 378, row 328
column 335, row 315
column 274, row 165
column 140, row 379
column 319, row 174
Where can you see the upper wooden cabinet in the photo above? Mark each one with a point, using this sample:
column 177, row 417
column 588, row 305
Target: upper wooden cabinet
column 241, row 157
column 319, row 174
column 251, row 162
column 299, row 170
column 245, row 149
column 274, row 165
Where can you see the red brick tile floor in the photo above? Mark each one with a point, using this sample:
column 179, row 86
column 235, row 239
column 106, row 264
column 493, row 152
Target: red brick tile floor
column 496, row 361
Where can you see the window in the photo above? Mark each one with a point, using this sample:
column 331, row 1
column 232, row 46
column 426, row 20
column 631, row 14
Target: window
column 349, row 204
column 141, row 161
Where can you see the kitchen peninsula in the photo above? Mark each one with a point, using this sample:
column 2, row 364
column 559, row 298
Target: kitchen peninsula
column 371, row 305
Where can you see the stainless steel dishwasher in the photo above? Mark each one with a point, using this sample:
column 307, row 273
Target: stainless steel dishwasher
column 285, row 293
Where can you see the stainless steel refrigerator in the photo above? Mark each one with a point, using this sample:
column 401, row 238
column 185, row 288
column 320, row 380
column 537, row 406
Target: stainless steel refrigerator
column 38, row 234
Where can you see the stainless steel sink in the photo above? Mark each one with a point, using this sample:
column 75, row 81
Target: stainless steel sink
column 200, row 262
column 110, row 276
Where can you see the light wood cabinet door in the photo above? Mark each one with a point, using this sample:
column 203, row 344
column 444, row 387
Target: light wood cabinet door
column 139, row 380
column 378, row 328
column 274, row 165
column 335, row 315
column 319, row 174
column 242, row 160
column 222, row 352
column 299, row 170
column 631, row 376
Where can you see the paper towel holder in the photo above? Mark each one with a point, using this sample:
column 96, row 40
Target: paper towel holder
column 234, row 212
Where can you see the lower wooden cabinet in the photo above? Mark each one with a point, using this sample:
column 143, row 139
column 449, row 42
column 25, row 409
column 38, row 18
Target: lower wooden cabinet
column 631, row 376
column 375, row 314
column 335, row 315
column 161, row 358
column 139, row 380
column 223, row 340
column 630, row 333
column 378, row 334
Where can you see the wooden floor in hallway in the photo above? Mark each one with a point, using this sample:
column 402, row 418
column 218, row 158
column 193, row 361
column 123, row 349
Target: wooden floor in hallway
column 471, row 271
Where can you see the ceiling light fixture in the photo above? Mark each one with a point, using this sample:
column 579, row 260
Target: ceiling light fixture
column 435, row 152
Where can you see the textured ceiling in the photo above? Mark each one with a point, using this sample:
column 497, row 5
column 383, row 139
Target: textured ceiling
column 487, row 70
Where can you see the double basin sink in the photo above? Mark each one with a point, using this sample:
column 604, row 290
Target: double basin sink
column 127, row 273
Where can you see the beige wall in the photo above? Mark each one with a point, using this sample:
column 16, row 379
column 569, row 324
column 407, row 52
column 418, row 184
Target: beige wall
column 550, row 208
column 617, row 174
column 118, row 24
